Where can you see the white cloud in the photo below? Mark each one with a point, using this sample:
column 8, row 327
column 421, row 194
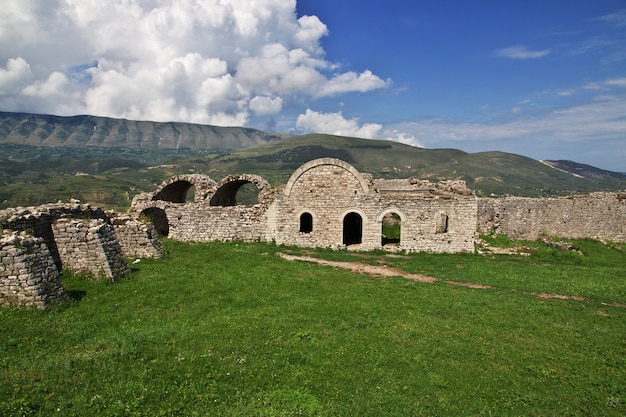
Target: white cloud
column 556, row 134
column 351, row 81
column 54, row 86
column 204, row 61
column 17, row 72
column 336, row 124
column 521, row 52
column 266, row 105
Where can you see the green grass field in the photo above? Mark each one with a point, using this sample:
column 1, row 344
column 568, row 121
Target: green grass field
column 232, row 329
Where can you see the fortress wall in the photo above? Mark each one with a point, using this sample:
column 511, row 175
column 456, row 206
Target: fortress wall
column 28, row 274
column 599, row 216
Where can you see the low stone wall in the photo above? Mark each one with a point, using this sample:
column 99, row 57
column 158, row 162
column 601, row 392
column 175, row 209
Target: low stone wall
column 28, row 274
column 40, row 241
column 90, row 247
column 137, row 239
column 600, row 216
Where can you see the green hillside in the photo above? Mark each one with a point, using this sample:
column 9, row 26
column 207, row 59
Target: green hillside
column 110, row 176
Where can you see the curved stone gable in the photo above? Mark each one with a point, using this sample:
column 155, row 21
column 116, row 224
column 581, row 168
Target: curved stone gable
column 321, row 162
column 226, row 190
column 175, row 189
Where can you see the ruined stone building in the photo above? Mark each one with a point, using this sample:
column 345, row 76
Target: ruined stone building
column 329, row 203
column 325, row 203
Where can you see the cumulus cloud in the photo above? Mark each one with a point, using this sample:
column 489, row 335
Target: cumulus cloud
column 336, row 124
column 203, row 61
column 521, row 52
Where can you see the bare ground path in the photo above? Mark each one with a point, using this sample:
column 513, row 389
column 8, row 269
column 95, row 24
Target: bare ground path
column 385, row 271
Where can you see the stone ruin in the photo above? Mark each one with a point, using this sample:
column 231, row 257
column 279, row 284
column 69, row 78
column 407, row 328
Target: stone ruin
column 325, row 203
column 329, row 203
column 38, row 242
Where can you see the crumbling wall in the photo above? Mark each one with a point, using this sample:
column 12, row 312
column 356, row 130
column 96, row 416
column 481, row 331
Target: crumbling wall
column 28, row 274
column 599, row 216
column 90, row 246
column 137, row 239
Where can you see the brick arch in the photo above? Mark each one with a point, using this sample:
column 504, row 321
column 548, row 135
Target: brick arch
column 325, row 161
column 225, row 193
column 175, row 189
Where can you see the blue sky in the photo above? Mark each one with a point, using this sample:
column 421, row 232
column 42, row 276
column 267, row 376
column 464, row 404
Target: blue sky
column 542, row 79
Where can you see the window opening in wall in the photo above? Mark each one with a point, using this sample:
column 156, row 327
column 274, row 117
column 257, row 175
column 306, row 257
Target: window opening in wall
column 243, row 193
column 190, row 196
column 442, row 223
column 176, row 192
column 352, row 229
column 306, row 223
column 158, row 218
column 391, row 226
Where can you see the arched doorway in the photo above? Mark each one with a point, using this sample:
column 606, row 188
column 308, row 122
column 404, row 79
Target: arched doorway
column 306, row 223
column 391, row 226
column 158, row 218
column 352, row 229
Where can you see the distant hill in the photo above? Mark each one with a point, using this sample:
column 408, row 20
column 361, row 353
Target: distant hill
column 582, row 170
column 490, row 173
column 107, row 161
column 91, row 131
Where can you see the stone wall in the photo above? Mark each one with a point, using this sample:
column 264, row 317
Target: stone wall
column 28, row 274
column 90, row 247
column 73, row 236
column 137, row 239
column 600, row 216
column 346, row 207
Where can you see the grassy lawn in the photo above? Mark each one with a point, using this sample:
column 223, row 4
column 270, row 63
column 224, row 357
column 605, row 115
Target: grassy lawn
column 232, row 329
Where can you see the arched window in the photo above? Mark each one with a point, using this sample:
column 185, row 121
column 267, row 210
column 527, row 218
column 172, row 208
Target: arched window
column 158, row 218
column 306, row 223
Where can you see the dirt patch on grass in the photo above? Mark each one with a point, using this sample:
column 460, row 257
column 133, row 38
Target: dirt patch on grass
column 361, row 268
column 545, row 296
column 386, row 271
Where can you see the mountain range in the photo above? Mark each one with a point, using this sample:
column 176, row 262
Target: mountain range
column 104, row 161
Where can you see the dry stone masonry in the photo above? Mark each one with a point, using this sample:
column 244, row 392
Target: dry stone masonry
column 28, row 274
column 39, row 241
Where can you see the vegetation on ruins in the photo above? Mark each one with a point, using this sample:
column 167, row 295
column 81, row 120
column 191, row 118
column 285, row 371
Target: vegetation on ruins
column 234, row 329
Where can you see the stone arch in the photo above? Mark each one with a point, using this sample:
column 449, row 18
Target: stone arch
column 158, row 218
column 226, row 190
column 387, row 231
column 175, row 189
column 325, row 161
column 353, row 222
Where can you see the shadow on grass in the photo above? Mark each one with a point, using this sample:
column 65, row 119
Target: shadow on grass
column 76, row 295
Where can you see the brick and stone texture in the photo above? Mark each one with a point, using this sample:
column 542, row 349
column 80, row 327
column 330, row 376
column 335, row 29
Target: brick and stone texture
column 345, row 207
column 28, row 273
column 600, row 216
column 137, row 239
column 90, row 247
